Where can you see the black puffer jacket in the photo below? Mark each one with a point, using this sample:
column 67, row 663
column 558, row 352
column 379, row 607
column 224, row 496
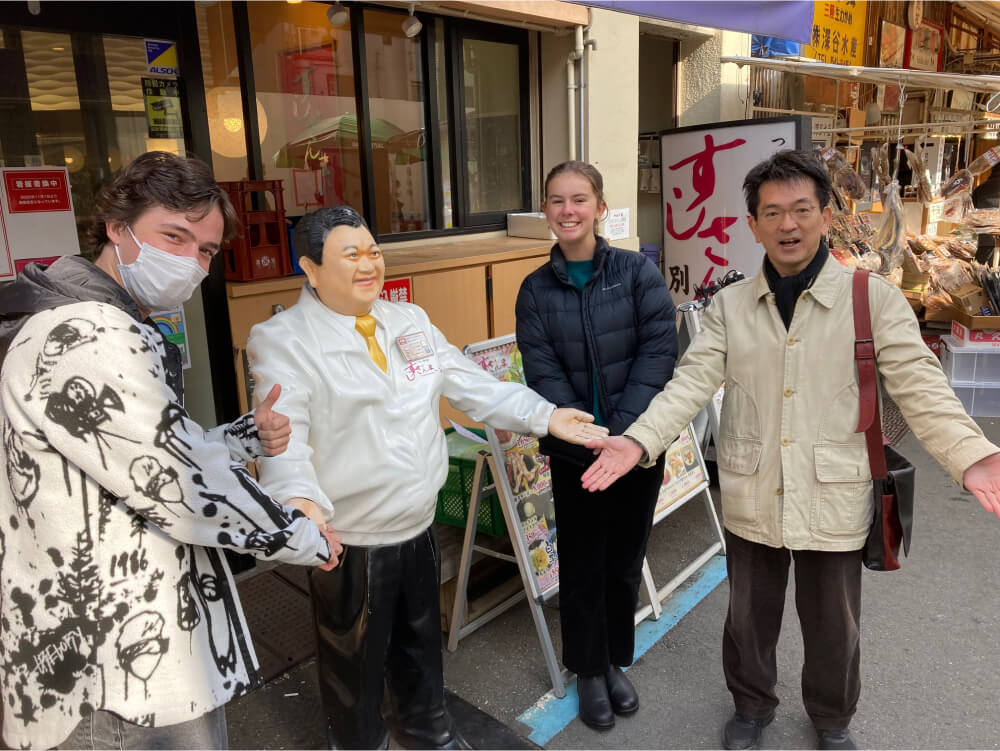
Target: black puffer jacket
column 621, row 326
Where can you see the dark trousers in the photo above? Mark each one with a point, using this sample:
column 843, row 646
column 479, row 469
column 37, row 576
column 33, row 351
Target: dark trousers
column 828, row 601
column 602, row 542
column 378, row 616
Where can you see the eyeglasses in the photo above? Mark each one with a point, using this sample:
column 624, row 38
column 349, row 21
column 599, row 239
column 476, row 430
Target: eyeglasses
column 799, row 214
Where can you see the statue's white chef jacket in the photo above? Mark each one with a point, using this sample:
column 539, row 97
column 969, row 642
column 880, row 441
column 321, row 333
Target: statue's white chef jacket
column 367, row 446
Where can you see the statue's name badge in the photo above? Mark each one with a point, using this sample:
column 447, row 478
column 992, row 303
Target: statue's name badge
column 414, row 346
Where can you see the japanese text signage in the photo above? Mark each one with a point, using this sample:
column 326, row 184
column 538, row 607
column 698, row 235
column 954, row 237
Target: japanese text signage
column 838, row 33
column 397, row 290
column 163, row 108
column 705, row 218
column 37, row 190
column 36, row 217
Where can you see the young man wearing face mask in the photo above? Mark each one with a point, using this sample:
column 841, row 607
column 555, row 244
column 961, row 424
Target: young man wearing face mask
column 364, row 379
column 121, row 621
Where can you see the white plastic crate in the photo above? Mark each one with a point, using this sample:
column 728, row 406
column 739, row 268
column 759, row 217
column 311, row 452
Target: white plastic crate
column 967, row 366
column 979, row 401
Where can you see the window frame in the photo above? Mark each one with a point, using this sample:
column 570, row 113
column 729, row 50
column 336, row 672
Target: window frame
column 457, row 32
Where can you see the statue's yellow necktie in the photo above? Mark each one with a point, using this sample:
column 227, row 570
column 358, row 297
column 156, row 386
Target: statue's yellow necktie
column 366, row 325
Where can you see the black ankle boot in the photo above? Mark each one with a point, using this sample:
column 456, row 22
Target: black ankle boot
column 836, row 739
column 624, row 699
column 743, row 731
column 595, row 705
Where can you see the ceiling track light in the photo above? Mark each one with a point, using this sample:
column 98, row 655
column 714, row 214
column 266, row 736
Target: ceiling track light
column 337, row 14
column 411, row 24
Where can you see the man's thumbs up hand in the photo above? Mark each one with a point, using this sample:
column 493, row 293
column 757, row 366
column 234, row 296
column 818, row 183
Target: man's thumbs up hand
column 273, row 428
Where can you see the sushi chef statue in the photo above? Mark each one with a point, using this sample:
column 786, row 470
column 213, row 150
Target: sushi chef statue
column 361, row 382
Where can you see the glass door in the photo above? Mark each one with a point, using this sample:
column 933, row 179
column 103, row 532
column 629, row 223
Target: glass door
column 86, row 101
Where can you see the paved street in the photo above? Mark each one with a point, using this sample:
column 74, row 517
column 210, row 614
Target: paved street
column 929, row 659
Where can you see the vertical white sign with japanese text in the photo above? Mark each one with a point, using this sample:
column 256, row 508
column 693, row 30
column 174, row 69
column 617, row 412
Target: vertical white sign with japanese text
column 705, row 217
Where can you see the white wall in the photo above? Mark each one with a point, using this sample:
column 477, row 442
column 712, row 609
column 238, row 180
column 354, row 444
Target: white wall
column 612, row 111
column 710, row 91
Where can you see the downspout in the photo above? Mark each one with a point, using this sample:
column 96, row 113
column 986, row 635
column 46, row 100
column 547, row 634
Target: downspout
column 571, row 58
column 584, row 64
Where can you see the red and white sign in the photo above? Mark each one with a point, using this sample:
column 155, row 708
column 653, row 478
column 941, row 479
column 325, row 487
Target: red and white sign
column 36, row 217
column 705, row 216
column 37, row 190
column 397, row 290
column 964, row 336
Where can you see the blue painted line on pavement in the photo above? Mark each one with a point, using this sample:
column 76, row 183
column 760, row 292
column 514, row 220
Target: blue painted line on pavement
column 549, row 716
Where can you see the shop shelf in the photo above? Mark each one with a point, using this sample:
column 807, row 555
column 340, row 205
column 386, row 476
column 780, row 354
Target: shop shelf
column 453, row 498
column 967, row 366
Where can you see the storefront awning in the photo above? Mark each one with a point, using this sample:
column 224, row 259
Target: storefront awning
column 786, row 19
column 899, row 76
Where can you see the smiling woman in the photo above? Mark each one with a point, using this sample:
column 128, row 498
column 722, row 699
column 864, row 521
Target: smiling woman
column 595, row 327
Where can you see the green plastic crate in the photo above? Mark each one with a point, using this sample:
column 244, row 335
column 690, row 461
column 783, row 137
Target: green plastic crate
column 453, row 498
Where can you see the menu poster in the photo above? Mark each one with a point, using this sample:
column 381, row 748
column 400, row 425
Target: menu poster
column 683, row 471
column 526, row 477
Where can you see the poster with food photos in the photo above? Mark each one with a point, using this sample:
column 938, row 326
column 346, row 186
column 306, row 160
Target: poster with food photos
column 683, row 472
column 524, row 476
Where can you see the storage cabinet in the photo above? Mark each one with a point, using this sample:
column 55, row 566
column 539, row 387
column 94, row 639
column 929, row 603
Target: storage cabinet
column 506, row 281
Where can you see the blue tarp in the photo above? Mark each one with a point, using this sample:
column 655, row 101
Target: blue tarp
column 785, row 19
column 761, row 46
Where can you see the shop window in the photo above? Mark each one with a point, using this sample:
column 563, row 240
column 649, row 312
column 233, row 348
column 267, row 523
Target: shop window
column 396, row 109
column 79, row 100
column 442, row 143
column 303, row 74
column 223, row 101
column 493, row 107
column 441, row 124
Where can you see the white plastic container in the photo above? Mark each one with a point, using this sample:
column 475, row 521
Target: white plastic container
column 979, row 401
column 970, row 366
column 529, row 225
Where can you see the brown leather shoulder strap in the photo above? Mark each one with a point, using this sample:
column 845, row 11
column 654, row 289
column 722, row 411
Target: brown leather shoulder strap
column 869, row 419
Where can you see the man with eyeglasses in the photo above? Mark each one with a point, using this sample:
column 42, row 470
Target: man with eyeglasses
column 793, row 472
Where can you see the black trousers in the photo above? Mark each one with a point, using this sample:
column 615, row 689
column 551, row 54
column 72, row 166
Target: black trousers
column 828, row 601
column 378, row 616
column 602, row 542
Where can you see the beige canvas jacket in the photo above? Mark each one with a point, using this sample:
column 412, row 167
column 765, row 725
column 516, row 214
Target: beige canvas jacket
column 793, row 472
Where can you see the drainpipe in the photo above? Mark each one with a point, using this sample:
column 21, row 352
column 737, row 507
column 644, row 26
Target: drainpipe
column 571, row 85
column 584, row 64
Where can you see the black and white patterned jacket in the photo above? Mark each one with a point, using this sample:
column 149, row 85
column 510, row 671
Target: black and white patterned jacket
column 114, row 593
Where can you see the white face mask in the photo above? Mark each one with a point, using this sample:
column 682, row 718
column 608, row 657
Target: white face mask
column 158, row 280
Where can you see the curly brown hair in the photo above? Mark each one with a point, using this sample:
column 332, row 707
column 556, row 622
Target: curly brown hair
column 158, row 178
